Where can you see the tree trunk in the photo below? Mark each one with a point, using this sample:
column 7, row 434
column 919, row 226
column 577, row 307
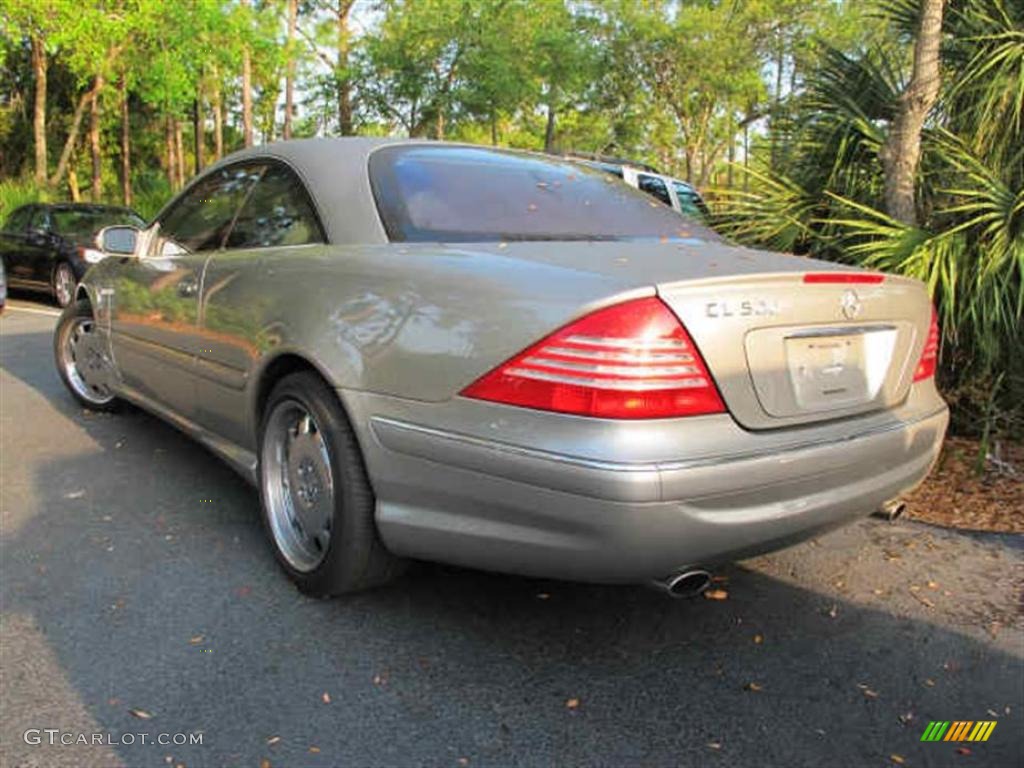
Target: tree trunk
column 246, row 97
column 218, row 124
column 76, row 196
column 341, row 70
column 197, row 129
column 72, row 140
column 39, row 108
column 549, row 130
column 289, row 78
column 96, row 193
column 126, row 159
column 780, row 61
column 902, row 149
column 169, row 150
column 179, row 151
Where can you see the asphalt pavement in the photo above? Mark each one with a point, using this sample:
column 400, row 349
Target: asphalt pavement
column 139, row 598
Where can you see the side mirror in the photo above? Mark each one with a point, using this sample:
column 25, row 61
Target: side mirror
column 118, row 240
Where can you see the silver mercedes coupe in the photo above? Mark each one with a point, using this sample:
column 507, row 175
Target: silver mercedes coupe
column 506, row 361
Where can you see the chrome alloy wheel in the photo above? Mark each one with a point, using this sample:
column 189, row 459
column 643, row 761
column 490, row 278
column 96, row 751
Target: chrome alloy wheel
column 84, row 358
column 298, row 485
column 63, row 284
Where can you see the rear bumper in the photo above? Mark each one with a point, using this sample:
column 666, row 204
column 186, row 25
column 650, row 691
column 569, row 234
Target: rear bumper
column 485, row 503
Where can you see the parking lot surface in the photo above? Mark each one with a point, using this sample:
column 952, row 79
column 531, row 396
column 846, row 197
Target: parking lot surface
column 139, row 597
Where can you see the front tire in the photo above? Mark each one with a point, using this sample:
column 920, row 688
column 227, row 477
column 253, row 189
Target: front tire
column 82, row 359
column 318, row 506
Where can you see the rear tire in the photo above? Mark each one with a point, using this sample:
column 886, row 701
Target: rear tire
column 317, row 504
column 82, row 360
column 63, row 284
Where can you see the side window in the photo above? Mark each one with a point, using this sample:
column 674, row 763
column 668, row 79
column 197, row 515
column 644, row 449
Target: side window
column 655, row 187
column 278, row 212
column 40, row 220
column 18, row 221
column 689, row 200
column 201, row 218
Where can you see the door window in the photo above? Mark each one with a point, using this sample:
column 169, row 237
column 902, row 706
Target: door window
column 654, row 187
column 18, row 221
column 201, row 218
column 278, row 212
column 689, row 201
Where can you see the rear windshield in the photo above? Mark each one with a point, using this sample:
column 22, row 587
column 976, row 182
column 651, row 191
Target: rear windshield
column 469, row 194
column 84, row 222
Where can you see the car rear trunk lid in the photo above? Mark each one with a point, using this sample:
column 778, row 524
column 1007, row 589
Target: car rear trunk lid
column 788, row 349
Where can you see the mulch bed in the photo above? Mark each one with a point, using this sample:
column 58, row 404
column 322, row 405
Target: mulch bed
column 956, row 496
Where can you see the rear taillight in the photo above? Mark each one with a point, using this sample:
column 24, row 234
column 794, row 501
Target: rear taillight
column 930, row 353
column 630, row 361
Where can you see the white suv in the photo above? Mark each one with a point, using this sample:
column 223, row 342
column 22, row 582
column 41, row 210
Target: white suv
column 673, row 192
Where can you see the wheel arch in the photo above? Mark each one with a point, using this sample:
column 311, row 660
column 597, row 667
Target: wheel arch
column 276, row 368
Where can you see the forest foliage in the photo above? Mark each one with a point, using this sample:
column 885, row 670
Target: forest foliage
column 779, row 110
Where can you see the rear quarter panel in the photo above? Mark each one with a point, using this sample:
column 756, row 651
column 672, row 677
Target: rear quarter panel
column 416, row 322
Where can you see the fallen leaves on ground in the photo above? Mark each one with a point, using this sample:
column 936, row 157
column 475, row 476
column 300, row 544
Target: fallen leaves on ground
column 716, row 594
column 273, row 740
column 325, row 697
column 196, row 640
column 572, row 704
column 955, row 496
column 898, row 759
column 140, row 713
column 753, row 687
column 758, row 639
column 714, row 745
column 314, row 750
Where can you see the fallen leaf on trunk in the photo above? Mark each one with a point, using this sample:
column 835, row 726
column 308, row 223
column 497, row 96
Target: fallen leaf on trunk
column 716, row 594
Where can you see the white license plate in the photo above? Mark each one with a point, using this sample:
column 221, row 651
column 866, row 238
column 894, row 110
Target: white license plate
column 838, row 370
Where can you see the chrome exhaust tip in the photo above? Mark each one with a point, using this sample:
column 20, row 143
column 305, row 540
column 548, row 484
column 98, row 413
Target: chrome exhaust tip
column 689, row 583
column 891, row 510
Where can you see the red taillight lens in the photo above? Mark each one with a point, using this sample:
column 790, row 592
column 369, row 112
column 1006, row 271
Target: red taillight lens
column 629, row 361
column 930, row 353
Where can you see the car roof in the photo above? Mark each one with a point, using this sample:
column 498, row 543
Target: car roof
column 335, row 172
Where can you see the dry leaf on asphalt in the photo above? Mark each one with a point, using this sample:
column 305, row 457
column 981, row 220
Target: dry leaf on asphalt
column 963, row 751
column 74, row 495
column 572, row 704
column 325, row 697
column 755, row 687
column 716, row 594
column 898, row 759
column 273, row 740
column 315, row 750
column 758, row 639
column 264, row 763
column 714, row 745
column 140, row 713
column 196, row 640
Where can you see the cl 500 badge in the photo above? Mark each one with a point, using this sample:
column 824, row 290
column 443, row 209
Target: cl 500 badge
column 743, row 308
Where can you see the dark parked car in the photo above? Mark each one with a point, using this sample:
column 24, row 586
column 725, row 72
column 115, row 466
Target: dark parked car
column 48, row 247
